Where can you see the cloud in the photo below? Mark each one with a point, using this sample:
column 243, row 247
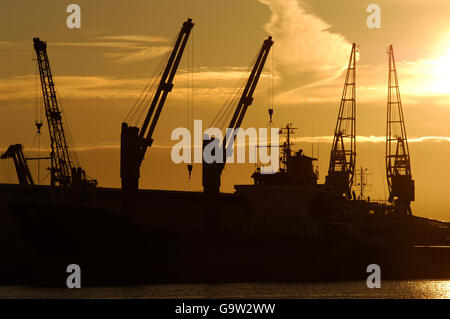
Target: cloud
column 371, row 139
column 129, row 48
column 311, row 61
column 140, row 55
column 140, row 38
column 210, row 84
column 10, row 44
column 306, row 52
column 100, row 44
column 23, row 87
column 304, row 139
column 134, row 51
column 85, row 148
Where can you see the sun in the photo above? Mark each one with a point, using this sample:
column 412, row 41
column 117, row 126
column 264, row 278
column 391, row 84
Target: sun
column 427, row 76
column 441, row 74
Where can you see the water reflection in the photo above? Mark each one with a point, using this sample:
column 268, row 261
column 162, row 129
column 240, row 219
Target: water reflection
column 419, row 289
column 427, row 289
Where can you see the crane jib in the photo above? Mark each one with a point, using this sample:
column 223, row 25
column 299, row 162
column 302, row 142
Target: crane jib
column 212, row 171
column 165, row 86
column 62, row 169
column 61, row 160
column 247, row 95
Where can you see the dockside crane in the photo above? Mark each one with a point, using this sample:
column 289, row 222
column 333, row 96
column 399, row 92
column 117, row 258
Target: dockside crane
column 136, row 140
column 398, row 163
column 63, row 172
column 343, row 151
column 23, row 172
column 212, row 171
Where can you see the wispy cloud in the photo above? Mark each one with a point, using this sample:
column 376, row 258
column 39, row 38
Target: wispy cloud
column 210, row 84
column 371, row 139
column 129, row 48
column 311, row 60
column 84, row 148
column 303, row 139
column 139, row 38
column 133, row 48
column 306, row 52
column 141, row 54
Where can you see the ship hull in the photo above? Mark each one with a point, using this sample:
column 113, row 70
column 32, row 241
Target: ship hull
column 113, row 249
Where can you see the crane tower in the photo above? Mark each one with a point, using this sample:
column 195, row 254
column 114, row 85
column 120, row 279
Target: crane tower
column 398, row 165
column 343, row 151
column 62, row 167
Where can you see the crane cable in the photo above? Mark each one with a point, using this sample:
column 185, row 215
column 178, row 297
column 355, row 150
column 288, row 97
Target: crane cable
column 228, row 108
column 140, row 105
column 270, row 110
column 38, row 120
column 190, row 97
column 270, row 91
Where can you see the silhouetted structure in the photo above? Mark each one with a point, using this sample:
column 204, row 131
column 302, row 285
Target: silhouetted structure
column 62, row 168
column 134, row 140
column 296, row 168
column 212, row 171
column 23, row 172
column 398, row 165
column 284, row 227
column 343, row 151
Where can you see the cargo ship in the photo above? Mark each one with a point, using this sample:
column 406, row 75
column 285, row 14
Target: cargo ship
column 284, row 227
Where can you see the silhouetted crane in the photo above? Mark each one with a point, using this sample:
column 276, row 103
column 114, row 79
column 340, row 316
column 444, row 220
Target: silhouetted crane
column 213, row 171
column 23, row 172
column 135, row 140
column 398, row 165
column 62, row 169
column 343, row 151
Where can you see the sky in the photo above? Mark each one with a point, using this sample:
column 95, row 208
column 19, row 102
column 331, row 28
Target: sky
column 101, row 69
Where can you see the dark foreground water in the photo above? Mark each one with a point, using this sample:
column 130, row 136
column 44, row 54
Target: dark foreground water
column 389, row 289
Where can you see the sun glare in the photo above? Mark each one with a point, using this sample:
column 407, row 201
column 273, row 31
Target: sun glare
column 441, row 72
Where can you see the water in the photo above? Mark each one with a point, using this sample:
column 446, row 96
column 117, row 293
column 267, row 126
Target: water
column 423, row 289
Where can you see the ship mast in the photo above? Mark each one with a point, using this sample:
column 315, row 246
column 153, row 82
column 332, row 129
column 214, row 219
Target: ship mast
column 287, row 131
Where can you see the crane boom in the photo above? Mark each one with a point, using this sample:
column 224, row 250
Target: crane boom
column 398, row 165
column 343, row 151
column 134, row 140
column 23, row 172
column 213, row 171
column 61, row 162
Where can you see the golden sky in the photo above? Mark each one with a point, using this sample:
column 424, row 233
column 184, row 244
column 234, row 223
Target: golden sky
column 101, row 68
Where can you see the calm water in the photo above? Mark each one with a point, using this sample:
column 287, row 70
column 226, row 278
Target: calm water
column 389, row 289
